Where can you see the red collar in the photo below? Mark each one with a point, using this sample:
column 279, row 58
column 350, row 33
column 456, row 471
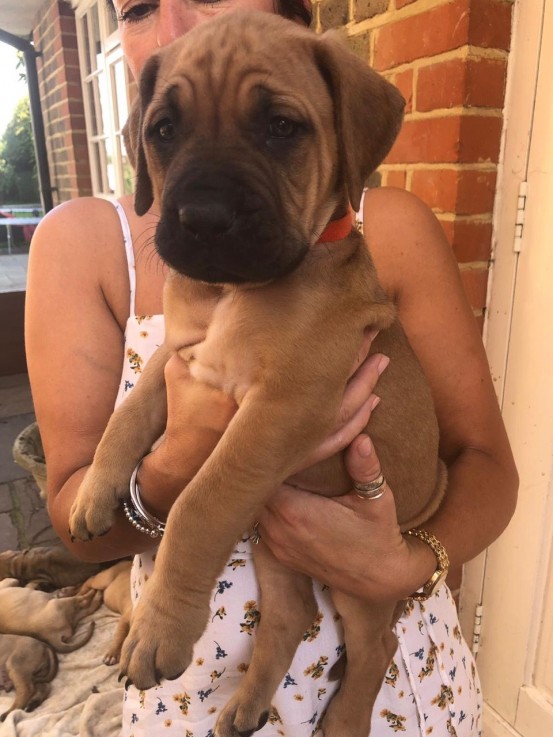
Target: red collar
column 337, row 230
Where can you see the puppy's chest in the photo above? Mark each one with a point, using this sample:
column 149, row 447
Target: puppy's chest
column 231, row 356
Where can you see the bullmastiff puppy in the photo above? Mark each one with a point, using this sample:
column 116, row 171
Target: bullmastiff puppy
column 253, row 134
column 54, row 620
column 30, row 666
column 46, row 567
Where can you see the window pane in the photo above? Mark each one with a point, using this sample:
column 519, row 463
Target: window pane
column 111, row 21
column 86, row 41
column 96, row 56
column 110, row 165
column 127, row 170
column 104, row 102
column 120, row 90
column 92, row 102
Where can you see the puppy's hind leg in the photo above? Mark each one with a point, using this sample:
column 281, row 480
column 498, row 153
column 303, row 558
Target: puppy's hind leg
column 288, row 608
column 113, row 655
column 370, row 646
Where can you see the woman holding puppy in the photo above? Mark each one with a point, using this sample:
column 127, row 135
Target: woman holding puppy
column 101, row 288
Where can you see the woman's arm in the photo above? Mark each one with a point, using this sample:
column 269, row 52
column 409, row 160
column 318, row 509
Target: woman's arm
column 416, row 266
column 77, row 307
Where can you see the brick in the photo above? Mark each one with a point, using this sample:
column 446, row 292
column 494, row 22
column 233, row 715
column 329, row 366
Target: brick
column 333, row 13
column 483, row 23
column 476, row 192
column 369, row 8
column 466, row 192
column 436, row 187
column 480, row 138
column 490, row 24
column 396, row 178
column 404, row 82
column 485, row 85
column 441, row 85
column 431, row 32
column 471, row 240
column 466, row 82
column 475, row 283
column 433, row 141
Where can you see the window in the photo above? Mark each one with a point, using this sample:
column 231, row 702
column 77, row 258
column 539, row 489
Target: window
column 105, row 78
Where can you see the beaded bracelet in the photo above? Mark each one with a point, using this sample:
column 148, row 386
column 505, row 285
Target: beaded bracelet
column 137, row 514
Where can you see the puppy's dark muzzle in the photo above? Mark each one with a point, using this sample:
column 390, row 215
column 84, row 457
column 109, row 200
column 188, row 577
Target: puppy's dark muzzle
column 217, row 229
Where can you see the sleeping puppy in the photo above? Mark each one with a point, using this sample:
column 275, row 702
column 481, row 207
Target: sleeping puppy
column 30, row 666
column 115, row 584
column 47, row 567
column 53, row 620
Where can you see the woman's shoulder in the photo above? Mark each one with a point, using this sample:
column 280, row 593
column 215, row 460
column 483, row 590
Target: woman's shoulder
column 406, row 240
column 79, row 219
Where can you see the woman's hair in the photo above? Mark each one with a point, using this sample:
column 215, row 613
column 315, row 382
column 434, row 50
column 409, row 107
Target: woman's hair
column 293, row 9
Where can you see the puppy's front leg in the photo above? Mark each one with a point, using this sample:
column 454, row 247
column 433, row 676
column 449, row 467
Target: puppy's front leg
column 259, row 449
column 129, row 435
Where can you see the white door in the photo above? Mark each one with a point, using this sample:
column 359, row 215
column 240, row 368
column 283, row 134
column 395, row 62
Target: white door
column 515, row 657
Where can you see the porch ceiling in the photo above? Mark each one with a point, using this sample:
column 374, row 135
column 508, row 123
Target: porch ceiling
column 18, row 16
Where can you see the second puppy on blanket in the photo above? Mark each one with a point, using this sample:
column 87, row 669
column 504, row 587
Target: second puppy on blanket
column 114, row 583
column 54, row 620
column 254, row 133
column 29, row 665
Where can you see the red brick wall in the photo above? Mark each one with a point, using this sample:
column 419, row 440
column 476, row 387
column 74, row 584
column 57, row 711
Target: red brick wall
column 449, row 59
column 62, row 104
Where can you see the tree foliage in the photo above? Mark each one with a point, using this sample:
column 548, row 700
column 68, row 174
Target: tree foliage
column 18, row 176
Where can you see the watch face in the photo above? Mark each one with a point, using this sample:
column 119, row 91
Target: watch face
column 434, row 583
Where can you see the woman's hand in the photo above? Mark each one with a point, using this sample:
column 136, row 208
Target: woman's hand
column 199, row 414
column 352, row 544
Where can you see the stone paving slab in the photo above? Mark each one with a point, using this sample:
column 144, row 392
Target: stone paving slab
column 13, row 272
column 24, row 521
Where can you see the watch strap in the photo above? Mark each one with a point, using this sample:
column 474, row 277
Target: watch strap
column 442, row 559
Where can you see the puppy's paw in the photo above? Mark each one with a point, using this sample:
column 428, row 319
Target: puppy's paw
column 241, row 717
column 93, row 511
column 161, row 639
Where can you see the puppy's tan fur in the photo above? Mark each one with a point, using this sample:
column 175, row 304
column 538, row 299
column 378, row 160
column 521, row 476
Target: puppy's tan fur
column 283, row 348
column 26, row 611
column 30, row 665
column 114, row 583
column 52, row 567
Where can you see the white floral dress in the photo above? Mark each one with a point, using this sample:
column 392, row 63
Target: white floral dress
column 431, row 687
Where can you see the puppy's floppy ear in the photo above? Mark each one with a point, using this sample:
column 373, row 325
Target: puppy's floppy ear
column 143, row 193
column 368, row 112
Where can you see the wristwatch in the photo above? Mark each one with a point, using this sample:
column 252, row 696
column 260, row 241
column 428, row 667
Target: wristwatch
column 438, row 577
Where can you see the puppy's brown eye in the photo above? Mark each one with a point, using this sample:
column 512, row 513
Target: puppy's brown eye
column 282, row 127
column 165, row 130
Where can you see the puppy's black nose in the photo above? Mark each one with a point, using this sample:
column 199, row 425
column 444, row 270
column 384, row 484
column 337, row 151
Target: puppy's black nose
column 207, row 218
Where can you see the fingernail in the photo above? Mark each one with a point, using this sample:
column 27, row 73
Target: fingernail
column 372, row 334
column 384, row 361
column 374, row 401
column 365, row 447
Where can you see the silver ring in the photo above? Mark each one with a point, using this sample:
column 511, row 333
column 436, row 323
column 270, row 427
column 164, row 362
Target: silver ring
column 371, row 489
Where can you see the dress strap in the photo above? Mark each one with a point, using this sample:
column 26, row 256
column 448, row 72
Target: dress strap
column 127, row 238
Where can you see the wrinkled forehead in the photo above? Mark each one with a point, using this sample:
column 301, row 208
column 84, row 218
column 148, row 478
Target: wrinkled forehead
column 223, row 70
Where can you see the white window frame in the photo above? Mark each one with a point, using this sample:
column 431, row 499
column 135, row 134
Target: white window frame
column 109, row 166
